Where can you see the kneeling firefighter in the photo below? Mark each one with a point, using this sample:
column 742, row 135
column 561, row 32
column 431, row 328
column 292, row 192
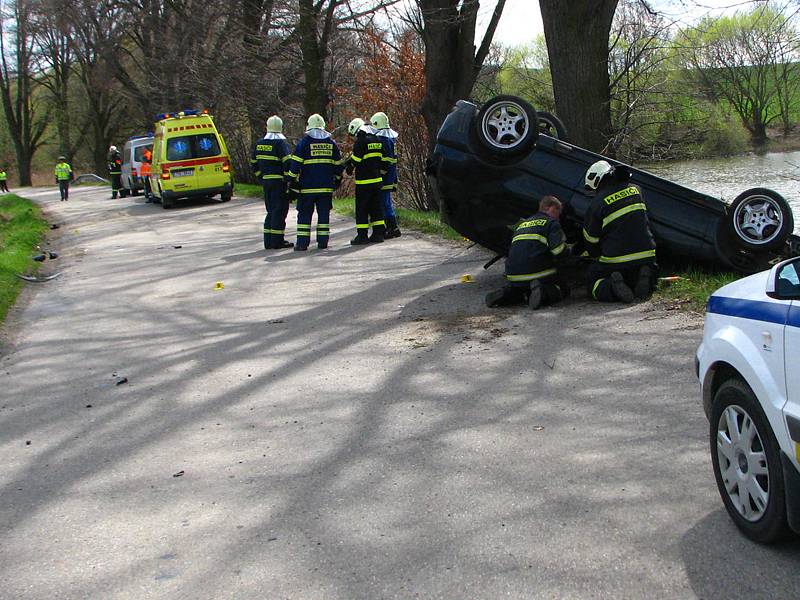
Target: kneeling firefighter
column 536, row 248
column 617, row 234
column 269, row 161
column 368, row 164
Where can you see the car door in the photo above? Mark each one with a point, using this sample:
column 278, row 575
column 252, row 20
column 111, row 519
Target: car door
column 790, row 277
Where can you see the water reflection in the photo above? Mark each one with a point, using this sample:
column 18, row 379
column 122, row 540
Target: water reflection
column 726, row 178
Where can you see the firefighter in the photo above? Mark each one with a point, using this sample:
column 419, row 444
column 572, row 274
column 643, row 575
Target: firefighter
column 368, row 165
column 617, row 235
column 3, row 181
column 381, row 123
column 315, row 171
column 269, row 161
column 63, row 177
column 115, row 171
column 537, row 247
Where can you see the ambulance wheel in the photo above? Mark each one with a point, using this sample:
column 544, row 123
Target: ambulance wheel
column 166, row 202
column 225, row 197
column 123, row 193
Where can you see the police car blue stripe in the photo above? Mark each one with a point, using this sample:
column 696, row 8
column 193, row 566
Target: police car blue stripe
column 794, row 317
column 755, row 310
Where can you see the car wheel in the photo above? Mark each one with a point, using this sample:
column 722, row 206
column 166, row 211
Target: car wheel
column 123, row 193
column 225, row 197
column 165, row 201
column 760, row 219
column 506, row 126
column 747, row 463
column 551, row 125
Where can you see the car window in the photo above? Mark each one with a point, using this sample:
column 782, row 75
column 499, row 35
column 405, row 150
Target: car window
column 788, row 280
column 127, row 156
column 138, row 153
column 192, row 146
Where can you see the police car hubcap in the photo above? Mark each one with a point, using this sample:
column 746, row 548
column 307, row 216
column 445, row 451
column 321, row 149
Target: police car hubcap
column 742, row 463
column 505, row 124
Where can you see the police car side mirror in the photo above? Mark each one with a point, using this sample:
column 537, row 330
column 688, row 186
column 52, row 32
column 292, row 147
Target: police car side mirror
column 783, row 282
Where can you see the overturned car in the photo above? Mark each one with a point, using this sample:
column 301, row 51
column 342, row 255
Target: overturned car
column 492, row 165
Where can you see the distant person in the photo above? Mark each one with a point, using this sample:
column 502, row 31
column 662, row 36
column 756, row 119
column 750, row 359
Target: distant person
column 315, row 171
column 3, row 181
column 531, row 267
column 617, row 234
column 367, row 164
column 380, row 121
column 63, row 174
column 115, row 171
column 269, row 163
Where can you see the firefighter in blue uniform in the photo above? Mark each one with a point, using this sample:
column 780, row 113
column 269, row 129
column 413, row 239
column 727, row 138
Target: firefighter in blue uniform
column 538, row 246
column 368, row 164
column 315, row 171
column 269, row 161
column 617, row 234
column 381, row 124
column 115, row 171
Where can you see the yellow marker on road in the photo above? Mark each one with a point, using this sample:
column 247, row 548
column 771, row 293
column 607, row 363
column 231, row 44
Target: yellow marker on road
column 467, row 279
column 219, row 286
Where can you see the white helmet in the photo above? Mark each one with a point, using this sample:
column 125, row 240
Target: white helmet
column 315, row 121
column 380, row 120
column 355, row 125
column 112, row 148
column 596, row 173
column 274, row 124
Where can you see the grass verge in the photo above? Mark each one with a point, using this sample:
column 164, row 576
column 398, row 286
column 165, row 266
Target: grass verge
column 21, row 230
column 248, row 190
column 425, row 222
column 692, row 291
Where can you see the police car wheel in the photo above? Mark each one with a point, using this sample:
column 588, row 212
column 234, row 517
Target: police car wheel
column 506, row 126
column 551, row 125
column 760, row 219
column 747, row 464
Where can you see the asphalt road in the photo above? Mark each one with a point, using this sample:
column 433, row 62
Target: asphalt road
column 352, row 423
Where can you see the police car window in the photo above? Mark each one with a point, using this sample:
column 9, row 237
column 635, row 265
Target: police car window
column 127, row 157
column 138, row 153
column 179, row 148
column 788, row 280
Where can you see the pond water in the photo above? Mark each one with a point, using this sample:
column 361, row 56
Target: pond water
column 726, row 178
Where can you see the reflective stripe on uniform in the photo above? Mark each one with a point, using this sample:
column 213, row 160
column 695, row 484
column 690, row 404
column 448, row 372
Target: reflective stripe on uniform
column 376, row 223
column 590, row 239
column 303, row 230
column 558, row 249
column 531, row 276
column 277, row 231
column 389, row 188
column 371, row 155
column 320, row 161
column 368, row 181
column 594, row 288
column 623, row 211
column 317, row 191
column 362, row 225
column 529, row 236
column 272, row 176
column 297, row 158
column 628, row 257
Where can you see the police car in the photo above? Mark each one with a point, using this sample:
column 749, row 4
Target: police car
column 748, row 367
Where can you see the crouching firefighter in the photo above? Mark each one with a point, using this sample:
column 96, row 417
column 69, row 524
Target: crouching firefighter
column 617, row 234
column 537, row 247
column 315, row 171
column 368, row 164
column 269, row 159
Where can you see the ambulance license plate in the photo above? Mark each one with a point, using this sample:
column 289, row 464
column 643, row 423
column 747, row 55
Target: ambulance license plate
column 183, row 172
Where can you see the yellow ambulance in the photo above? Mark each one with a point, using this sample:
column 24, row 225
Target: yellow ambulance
column 190, row 159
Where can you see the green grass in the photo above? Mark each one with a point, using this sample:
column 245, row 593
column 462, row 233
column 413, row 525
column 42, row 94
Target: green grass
column 248, row 190
column 21, row 230
column 425, row 222
column 693, row 290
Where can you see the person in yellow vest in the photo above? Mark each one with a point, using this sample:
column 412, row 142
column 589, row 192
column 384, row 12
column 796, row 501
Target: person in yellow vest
column 63, row 177
column 3, row 181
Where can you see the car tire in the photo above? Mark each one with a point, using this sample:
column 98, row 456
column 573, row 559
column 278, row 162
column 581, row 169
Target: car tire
column 506, row 127
column 225, row 197
column 750, row 466
column 123, row 193
column 165, row 201
column 760, row 219
column 551, row 125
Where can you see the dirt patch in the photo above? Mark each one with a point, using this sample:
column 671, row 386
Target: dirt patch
column 482, row 329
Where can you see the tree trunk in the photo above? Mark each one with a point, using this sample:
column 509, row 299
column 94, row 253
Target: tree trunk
column 577, row 35
column 451, row 62
column 315, row 98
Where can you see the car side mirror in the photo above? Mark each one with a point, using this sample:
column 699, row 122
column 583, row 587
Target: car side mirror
column 783, row 282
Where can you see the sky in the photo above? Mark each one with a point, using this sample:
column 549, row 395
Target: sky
column 521, row 20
